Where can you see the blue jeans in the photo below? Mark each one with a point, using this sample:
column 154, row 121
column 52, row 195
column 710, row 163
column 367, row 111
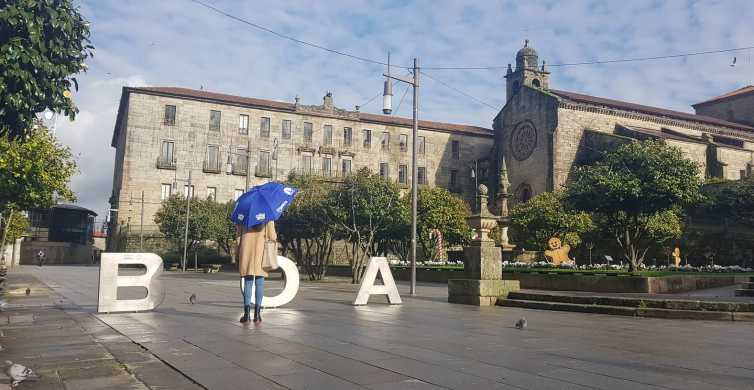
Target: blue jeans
column 256, row 282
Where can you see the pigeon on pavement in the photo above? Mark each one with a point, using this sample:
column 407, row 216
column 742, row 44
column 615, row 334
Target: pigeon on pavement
column 192, row 298
column 1, row 348
column 3, row 305
column 19, row 373
column 521, row 324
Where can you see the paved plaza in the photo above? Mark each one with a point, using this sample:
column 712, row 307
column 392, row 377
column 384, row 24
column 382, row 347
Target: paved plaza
column 321, row 341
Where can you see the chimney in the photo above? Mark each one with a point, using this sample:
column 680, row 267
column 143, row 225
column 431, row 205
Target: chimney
column 327, row 104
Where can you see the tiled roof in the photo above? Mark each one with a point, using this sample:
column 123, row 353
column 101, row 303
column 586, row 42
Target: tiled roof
column 577, row 97
column 741, row 91
column 262, row 103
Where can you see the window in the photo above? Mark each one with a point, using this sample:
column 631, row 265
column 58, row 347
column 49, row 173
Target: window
column 453, row 177
column 188, row 192
column 237, row 194
column 420, row 145
column 286, row 132
column 169, row 115
column 263, row 165
column 214, row 120
column 385, row 142
column 403, row 140
column 367, row 138
column 403, row 174
column 240, row 160
column 165, row 190
column 167, row 157
column 421, row 173
column 213, row 156
column 243, row 124
column 327, row 137
column 455, row 147
column 212, row 193
column 306, row 164
column 346, row 167
column 264, row 127
column 307, row 132
column 347, row 136
column 326, row 166
column 384, row 171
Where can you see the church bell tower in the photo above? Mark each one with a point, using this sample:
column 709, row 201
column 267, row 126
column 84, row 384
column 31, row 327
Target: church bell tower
column 527, row 72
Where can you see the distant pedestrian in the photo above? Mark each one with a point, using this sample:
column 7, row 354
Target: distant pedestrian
column 250, row 256
column 41, row 257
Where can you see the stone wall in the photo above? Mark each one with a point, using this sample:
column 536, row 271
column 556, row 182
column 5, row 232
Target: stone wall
column 539, row 110
column 738, row 109
column 573, row 121
column 138, row 149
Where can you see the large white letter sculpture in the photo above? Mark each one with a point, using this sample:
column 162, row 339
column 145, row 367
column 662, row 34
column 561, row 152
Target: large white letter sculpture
column 109, row 281
column 291, row 285
column 378, row 264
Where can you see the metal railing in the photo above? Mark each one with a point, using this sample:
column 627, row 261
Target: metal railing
column 212, row 166
column 238, row 169
column 164, row 163
column 262, row 171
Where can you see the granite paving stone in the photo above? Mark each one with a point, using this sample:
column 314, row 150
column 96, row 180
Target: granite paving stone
column 320, row 341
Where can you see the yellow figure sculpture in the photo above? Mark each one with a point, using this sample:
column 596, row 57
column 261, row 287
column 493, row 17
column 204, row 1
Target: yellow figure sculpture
column 677, row 256
column 558, row 252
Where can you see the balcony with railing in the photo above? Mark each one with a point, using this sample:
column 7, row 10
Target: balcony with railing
column 262, row 171
column 165, row 163
column 238, row 168
column 330, row 175
column 212, row 166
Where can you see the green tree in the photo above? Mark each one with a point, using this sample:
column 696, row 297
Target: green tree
column 13, row 225
column 33, row 174
column 544, row 216
column 220, row 228
column 171, row 219
column 363, row 208
column 42, row 44
column 638, row 191
column 438, row 209
column 306, row 229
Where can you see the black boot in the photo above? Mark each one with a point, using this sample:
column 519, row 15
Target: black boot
column 246, row 310
column 257, row 314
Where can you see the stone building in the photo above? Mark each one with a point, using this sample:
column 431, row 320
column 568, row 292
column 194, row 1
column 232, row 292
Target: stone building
column 541, row 133
column 229, row 143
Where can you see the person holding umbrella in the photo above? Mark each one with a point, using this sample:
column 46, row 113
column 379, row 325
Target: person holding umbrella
column 254, row 215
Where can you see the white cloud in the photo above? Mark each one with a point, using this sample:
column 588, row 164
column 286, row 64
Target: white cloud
column 177, row 42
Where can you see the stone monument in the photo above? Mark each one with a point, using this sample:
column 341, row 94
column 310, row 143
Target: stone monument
column 482, row 263
column 677, row 256
column 503, row 193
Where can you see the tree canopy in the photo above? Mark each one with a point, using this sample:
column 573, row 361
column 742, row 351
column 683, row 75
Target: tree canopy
column 544, row 216
column 438, row 209
column 638, row 191
column 42, row 44
column 35, row 173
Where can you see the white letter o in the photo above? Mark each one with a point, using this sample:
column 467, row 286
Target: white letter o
column 290, row 271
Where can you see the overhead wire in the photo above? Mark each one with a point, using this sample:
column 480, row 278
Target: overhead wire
column 398, row 109
column 290, row 38
column 459, row 91
column 491, row 67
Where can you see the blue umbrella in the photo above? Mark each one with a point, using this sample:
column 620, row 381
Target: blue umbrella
column 262, row 204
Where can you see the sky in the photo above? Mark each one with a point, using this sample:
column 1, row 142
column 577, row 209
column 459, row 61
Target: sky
column 181, row 43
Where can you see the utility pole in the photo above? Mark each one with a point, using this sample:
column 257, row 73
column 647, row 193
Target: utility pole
column 189, row 194
column 248, row 161
column 141, row 225
column 387, row 109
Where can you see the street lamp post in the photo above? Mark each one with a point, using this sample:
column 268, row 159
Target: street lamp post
column 189, row 194
column 387, row 109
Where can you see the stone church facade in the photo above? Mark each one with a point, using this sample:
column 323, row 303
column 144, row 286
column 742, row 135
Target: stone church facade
column 541, row 133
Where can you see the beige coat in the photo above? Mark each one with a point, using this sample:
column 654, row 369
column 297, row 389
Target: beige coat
column 251, row 248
